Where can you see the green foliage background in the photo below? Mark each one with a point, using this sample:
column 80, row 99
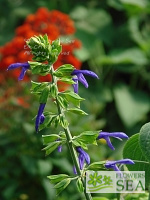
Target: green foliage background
column 116, row 44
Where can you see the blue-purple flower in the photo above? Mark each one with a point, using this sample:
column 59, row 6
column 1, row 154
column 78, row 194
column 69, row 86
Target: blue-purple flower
column 25, row 66
column 112, row 164
column 83, row 156
column 79, row 76
column 106, row 135
column 40, row 116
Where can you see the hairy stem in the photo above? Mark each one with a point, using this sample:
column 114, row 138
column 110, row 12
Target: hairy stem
column 69, row 141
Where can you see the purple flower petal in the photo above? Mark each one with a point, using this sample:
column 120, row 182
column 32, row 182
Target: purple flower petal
column 75, row 86
column 25, row 66
column 74, row 170
column 42, row 118
column 83, row 156
column 87, row 157
column 22, row 74
column 81, row 161
column 38, row 118
column 85, row 72
column 109, row 142
column 112, row 164
column 59, row 148
column 113, row 134
column 82, row 80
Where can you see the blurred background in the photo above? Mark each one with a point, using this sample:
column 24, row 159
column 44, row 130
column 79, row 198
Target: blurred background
column 110, row 37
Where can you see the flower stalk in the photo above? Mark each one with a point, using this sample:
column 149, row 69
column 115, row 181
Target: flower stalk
column 69, row 140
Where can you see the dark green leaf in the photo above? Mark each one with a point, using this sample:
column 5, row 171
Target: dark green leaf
column 145, row 140
column 132, row 150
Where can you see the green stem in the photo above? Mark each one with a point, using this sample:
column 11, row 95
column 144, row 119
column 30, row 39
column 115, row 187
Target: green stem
column 69, row 141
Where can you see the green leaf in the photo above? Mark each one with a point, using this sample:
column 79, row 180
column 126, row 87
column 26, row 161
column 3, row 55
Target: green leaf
column 77, row 111
column 62, row 102
column 96, row 166
column 145, row 140
column 64, row 70
column 62, row 121
column 62, row 185
column 49, row 118
column 38, row 87
column 72, row 97
column 87, row 137
column 78, row 143
column 39, row 46
column 132, row 106
column 51, row 147
column 80, row 186
column 50, row 138
column 39, row 68
column 57, row 178
column 67, row 80
column 132, row 150
column 53, row 90
column 44, row 95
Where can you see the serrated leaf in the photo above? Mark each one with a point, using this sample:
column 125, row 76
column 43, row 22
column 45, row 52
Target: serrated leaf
column 80, row 186
column 144, row 140
column 77, row 111
column 96, row 166
column 51, row 147
column 57, row 178
column 50, row 138
column 133, row 151
column 62, row 185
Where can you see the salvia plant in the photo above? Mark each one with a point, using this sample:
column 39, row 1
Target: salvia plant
column 45, row 55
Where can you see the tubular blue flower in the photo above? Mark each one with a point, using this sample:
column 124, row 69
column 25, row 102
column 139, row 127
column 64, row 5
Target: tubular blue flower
column 112, row 164
column 106, row 135
column 40, row 116
column 79, row 76
column 25, row 66
column 83, row 156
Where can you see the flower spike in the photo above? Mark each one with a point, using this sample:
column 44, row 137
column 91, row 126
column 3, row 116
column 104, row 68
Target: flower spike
column 40, row 116
column 25, row 66
column 106, row 135
column 112, row 164
column 79, row 76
